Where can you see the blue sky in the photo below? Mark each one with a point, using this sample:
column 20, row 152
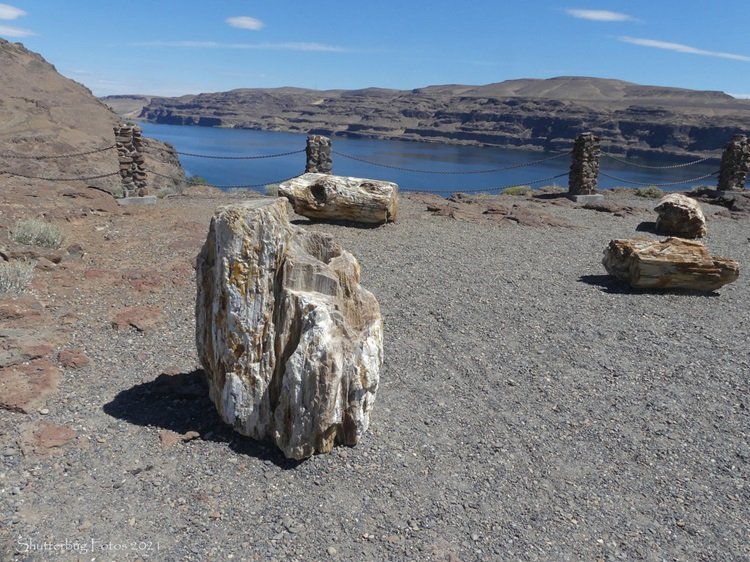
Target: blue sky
column 173, row 47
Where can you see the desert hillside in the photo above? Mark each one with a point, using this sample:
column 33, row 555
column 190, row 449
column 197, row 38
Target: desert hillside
column 631, row 119
column 42, row 113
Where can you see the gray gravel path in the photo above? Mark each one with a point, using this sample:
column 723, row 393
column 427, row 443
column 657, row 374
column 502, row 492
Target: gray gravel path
column 530, row 409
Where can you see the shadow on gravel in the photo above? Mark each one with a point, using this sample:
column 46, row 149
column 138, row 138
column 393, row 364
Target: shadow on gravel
column 614, row 286
column 180, row 403
column 647, row 226
column 349, row 224
column 550, row 196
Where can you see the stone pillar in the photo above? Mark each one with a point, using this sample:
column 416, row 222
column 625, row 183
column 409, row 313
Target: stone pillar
column 735, row 164
column 129, row 141
column 584, row 167
column 318, row 155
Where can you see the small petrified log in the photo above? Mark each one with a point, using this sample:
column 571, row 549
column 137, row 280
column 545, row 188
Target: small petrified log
column 673, row 263
column 327, row 197
column 291, row 344
column 680, row 215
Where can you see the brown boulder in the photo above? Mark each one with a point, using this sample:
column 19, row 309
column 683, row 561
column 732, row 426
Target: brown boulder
column 673, row 263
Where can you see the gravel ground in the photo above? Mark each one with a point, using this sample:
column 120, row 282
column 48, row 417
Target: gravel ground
column 530, row 408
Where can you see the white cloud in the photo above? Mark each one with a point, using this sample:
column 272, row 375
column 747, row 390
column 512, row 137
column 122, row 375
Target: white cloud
column 246, row 22
column 293, row 46
column 10, row 12
column 9, row 31
column 680, row 48
column 598, row 15
column 740, row 96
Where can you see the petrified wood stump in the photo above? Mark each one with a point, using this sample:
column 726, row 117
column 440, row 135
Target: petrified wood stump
column 291, row 343
column 327, row 197
column 680, row 215
column 673, row 263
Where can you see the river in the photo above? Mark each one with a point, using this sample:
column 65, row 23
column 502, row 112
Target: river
column 451, row 167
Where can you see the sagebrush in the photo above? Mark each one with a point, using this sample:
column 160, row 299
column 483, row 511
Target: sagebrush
column 36, row 232
column 517, row 190
column 15, row 276
column 651, row 192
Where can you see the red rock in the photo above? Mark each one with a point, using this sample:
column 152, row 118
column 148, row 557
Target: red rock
column 20, row 311
column 144, row 281
column 73, row 359
column 168, row 438
column 43, row 438
column 25, row 388
column 96, row 274
column 143, row 318
column 50, row 435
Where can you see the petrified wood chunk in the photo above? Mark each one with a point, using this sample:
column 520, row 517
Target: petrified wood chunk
column 291, row 343
column 680, row 216
column 671, row 263
column 323, row 196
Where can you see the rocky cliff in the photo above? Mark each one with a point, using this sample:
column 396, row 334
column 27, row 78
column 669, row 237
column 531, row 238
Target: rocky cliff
column 532, row 114
column 43, row 113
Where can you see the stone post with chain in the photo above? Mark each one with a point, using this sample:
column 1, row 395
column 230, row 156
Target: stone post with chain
column 735, row 164
column 129, row 142
column 584, row 168
column 318, row 155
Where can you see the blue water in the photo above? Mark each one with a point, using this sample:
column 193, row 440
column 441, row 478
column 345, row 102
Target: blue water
column 454, row 159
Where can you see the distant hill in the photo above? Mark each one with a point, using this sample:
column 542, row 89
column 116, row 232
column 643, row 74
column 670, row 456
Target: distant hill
column 44, row 113
column 533, row 114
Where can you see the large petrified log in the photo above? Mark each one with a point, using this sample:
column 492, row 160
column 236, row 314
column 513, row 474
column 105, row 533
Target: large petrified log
column 323, row 196
column 680, row 215
column 290, row 342
column 673, row 263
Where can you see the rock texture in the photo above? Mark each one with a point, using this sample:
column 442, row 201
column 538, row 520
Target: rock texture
column 290, row 342
column 630, row 119
column 673, row 263
column 680, row 215
column 327, row 197
column 46, row 114
column 735, row 164
column 318, row 155
column 584, row 169
column 129, row 143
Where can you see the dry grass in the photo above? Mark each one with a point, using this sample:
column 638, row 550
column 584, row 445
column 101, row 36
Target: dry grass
column 15, row 276
column 36, row 232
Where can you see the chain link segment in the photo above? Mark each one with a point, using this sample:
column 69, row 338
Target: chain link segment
column 88, row 178
column 447, row 173
column 485, row 189
column 667, row 184
column 249, row 186
column 672, row 167
column 261, row 157
column 56, row 156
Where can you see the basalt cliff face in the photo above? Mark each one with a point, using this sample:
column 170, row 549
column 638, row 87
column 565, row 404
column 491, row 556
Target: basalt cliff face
column 532, row 114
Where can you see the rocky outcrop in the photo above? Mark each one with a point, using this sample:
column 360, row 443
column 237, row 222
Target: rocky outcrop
column 680, row 215
column 548, row 114
column 339, row 198
column 290, row 342
column 45, row 114
column 673, row 263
